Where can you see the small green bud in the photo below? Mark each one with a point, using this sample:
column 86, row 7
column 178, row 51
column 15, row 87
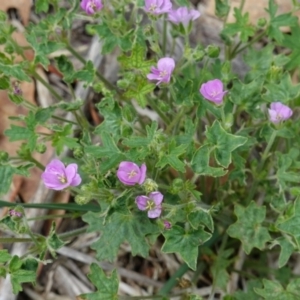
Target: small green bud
column 41, row 148
column 123, row 84
column 177, row 186
column 275, row 73
column 9, row 49
column 78, row 152
column 212, row 51
column 163, row 106
column 81, row 200
column 198, row 54
column 261, row 22
column 150, row 185
column 2, row 40
column 3, row 156
column 228, row 121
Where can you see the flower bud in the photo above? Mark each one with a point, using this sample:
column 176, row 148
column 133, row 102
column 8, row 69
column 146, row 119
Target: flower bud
column 212, row 51
column 261, row 22
column 78, row 152
column 177, row 186
column 81, row 200
column 41, row 148
column 150, row 185
column 3, row 156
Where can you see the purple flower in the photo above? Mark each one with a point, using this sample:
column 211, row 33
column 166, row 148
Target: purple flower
column 167, row 224
column 14, row 213
column 183, row 15
column 157, row 7
column 152, row 204
column 213, row 91
column 130, row 173
column 91, row 6
column 57, row 177
column 279, row 112
column 162, row 73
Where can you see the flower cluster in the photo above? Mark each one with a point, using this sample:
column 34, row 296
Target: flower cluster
column 130, row 173
column 58, row 177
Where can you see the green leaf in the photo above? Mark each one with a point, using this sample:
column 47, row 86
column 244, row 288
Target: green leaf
column 118, row 228
column 276, row 22
column 292, row 42
column 139, row 141
column 171, row 157
column 15, row 71
column 137, row 59
column 107, row 287
column 287, row 249
column 218, row 269
column 201, row 216
column 248, row 228
column 249, row 293
column 6, row 173
column 223, row 142
column 291, row 223
column 108, row 150
column 222, row 8
column 4, row 256
column 60, row 139
column 200, row 163
column 241, row 26
column 21, row 276
column 284, row 90
column 41, row 6
column 273, row 290
column 53, row 241
column 139, row 90
column 185, row 243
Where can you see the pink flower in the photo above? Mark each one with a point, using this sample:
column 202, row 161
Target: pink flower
column 157, row 7
column 183, row 15
column 213, row 91
column 14, row 213
column 152, row 204
column 130, row 173
column 167, row 224
column 91, row 6
column 57, row 177
column 163, row 72
column 279, row 112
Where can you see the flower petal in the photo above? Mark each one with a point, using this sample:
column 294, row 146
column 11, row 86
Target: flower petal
column 141, row 202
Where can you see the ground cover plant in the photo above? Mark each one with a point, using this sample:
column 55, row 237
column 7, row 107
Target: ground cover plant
column 189, row 156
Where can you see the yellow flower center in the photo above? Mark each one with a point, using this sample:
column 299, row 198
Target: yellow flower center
column 150, row 205
column 153, row 7
column 131, row 174
column 62, row 178
column 163, row 73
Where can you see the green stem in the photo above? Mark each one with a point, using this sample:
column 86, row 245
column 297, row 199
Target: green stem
column 64, row 120
column 47, row 85
column 81, row 59
column 165, row 290
column 176, row 120
column 254, row 40
column 64, row 206
column 164, row 41
column 53, row 217
column 38, row 164
column 15, row 240
column 261, row 166
column 158, row 110
column 72, row 233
